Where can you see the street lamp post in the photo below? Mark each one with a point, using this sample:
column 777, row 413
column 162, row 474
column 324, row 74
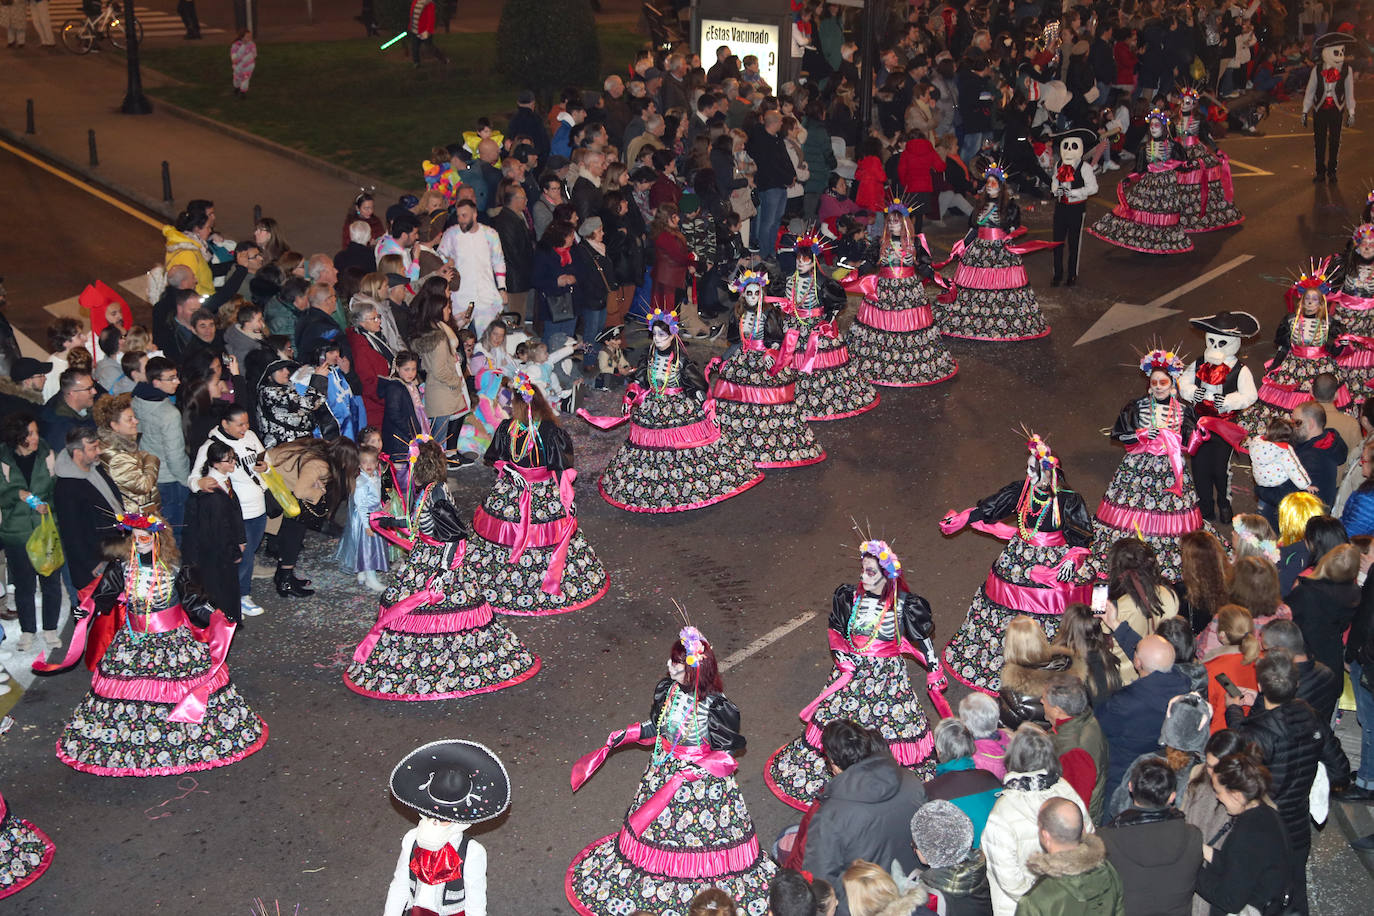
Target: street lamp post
column 135, row 102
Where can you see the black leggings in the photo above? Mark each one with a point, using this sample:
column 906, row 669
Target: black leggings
column 290, row 539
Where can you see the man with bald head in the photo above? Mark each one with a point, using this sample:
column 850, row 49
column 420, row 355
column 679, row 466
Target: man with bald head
column 1132, row 717
column 1074, row 875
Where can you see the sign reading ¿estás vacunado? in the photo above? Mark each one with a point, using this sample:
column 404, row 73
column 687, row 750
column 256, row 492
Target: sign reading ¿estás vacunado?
column 743, row 39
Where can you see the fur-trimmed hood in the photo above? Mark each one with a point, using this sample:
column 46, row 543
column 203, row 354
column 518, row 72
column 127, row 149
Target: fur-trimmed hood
column 1079, row 860
column 906, row 904
column 15, row 390
column 1031, row 682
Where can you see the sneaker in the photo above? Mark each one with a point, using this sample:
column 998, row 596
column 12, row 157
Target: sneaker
column 250, row 608
column 25, row 642
column 4, row 689
column 4, row 675
column 1110, row 165
column 52, row 638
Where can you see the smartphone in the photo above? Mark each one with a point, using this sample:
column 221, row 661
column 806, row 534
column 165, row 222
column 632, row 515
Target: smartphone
column 1228, row 685
column 1099, row 597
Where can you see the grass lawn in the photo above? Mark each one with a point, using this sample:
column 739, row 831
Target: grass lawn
column 349, row 103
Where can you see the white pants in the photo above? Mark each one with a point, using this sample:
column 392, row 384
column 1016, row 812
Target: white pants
column 15, row 27
column 42, row 21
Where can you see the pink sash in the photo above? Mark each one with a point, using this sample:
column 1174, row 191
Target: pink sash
column 634, row 395
column 807, row 361
column 874, row 648
column 1013, row 277
column 721, row 390
column 1167, row 443
column 1147, row 522
column 1143, row 217
column 905, row 320
column 897, row 272
column 702, row 432
column 1354, row 303
column 1228, row 430
column 518, row 536
column 1051, row 599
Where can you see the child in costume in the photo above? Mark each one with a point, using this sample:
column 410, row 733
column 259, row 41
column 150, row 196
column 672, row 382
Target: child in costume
column 1148, row 215
column 361, row 551
column 1330, row 99
column 243, row 56
column 688, row 827
column 872, row 626
column 1036, row 573
column 1276, row 468
column 441, row 870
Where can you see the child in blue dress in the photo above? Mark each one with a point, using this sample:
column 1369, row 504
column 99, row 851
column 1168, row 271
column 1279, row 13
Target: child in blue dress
column 360, row 550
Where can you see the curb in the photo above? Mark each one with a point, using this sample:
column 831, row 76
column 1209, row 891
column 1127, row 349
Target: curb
column 362, row 181
column 158, row 207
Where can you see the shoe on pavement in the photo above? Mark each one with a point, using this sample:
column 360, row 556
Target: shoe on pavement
column 1354, row 793
column 25, row 642
column 372, row 582
column 1365, row 842
column 52, row 638
column 250, row 608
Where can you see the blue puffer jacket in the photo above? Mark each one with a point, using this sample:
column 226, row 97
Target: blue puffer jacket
column 1358, row 515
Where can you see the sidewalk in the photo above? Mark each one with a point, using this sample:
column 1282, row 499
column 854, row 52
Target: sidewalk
column 75, row 94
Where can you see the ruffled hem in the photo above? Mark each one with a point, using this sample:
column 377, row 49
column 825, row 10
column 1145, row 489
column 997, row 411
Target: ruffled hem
column 1198, row 230
column 550, row 612
column 600, row 488
column 1092, row 230
column 520, row 678
column 164, row 771
column 48, row 849
column 805, row 462
column 777, row 790
column 949, row 669
column 935, row 381
column 849, row 413
column 1044, row 333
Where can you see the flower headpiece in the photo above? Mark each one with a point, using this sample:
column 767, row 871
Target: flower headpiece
column 897, row 208
column 132, row 521
column 810, row 244
column 996, row 170
column 1041, row 450
column 748, row 278
column 1264, row 546
column 1189, row 92
column 668, row 318
column 523, row 387
column 1160, row 115
column 1316, row 277
column 1158, row 360
column 1364, row 234
column 413, row 449
column 1045, row 460
column 693, row 644
column 885, row 555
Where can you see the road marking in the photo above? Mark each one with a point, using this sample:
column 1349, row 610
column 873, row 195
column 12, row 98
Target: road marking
column 1307, row 134
column 1251, row 171
column 76, row 182
column 1123, row 316
column 766, row 640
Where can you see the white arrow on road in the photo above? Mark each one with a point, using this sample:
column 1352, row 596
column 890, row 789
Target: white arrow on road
column 1123, row 316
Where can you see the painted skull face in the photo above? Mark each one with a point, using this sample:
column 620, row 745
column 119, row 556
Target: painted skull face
column 1311, row 302
column 872, row 576
column 1071, row 150
column 1333, row 57
column 805, row 262
column 143, row 540
column 662, row 339
column 1365, row 249
column 1156, row 128
column 993, row 187
column 1187, row 103
column 1161, row 384
column 753, row 295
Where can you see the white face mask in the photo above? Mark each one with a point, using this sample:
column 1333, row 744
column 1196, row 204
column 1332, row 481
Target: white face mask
column 1334, row 57
column 662, row 339
column 1220, row 346
column 753, row 295
column 1071, row 151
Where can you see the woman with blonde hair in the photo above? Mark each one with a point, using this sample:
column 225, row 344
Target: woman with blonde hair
column 1235, row 658
column 1324, row 604
column 1253, row 537
column 871, row 891
column 1028, row 663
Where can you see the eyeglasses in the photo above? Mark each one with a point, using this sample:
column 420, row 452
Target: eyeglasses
column 87, row 388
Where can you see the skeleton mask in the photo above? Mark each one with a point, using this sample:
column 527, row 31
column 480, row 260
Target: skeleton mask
column 1219, row 347
column 1156, row 129
column 1333, row 57
column 872, row 577
column 1186, row 104
column 753, row 295
column 1071, row 150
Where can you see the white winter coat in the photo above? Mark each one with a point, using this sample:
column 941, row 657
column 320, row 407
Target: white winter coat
column 1011, row 836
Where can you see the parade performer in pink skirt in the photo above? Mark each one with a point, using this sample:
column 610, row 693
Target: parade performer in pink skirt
column 872, row 627
column 1151, row 496
column 1354, row 308
column 893, row 339
column 527, row 553
column 687, row 828
column 1036, row 574
column 1208, row 198
column 755, row 390
column 675, row 458
column 25, row 852
column 435, row 637
column 991, row 297
column 1308, row 342
column 161, row 702
column 1148, row 215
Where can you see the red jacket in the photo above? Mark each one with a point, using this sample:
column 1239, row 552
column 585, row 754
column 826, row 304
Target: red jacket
column 369, row 366
column 918, row 160
column 1125, row 63
column 671, row 259
column 422, row 17
column 871, row 178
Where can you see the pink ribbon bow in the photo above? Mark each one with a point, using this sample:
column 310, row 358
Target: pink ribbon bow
column 1167, row 443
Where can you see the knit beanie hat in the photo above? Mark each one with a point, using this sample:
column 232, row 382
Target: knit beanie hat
column 942, row 832
column 1186, row 724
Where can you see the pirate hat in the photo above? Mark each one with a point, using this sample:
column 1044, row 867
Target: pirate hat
column 1089, row 137
column 1331, row 39
column 1232, row 324
column 456, row 781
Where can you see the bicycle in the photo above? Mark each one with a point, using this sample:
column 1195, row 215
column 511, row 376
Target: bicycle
column 81, row 35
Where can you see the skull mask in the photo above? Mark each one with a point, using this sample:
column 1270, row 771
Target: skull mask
column 1220, row 347
column 1156, row 128
column 1333, row 57
column 1187, row 103
column 1071, row 150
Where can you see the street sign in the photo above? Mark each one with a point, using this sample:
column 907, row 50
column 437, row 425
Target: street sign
column 743, row 38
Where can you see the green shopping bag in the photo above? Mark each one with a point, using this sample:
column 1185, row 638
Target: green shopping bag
column 45, row 547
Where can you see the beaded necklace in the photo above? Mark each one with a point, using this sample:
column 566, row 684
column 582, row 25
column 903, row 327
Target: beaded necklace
column 413, row 520
column 662, row 748
column 1157, row 150
column 524, row 439
column 1168, row 415
column 146, row 589
column 889, row 606
column 1031, row 510
column 662, row 378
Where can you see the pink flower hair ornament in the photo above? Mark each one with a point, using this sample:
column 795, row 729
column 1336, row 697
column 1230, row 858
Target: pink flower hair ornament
column 693, row 644
column 887, row 558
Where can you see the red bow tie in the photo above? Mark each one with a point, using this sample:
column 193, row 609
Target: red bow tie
column 1066, row 173
column 436, row 866
column 1331, row 75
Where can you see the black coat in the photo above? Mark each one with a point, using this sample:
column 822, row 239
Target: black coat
column 555, row 447
column 1134, row 416
column 586, row 197
column 214, row 530
column 399, row 423
column 313, row 327
column 1291, row 741
column 1158, row 855
column 596, row 278
column 1251, row 867
column 1074, row 520
column 186, row 591
column 769, row 152
column 624, row 237
column 355, row 255
column 85, row 522
column 1324, row 611
column 517, row 244
column 526, row 121
column 1132, row 717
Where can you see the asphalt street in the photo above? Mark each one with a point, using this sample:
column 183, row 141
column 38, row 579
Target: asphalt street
column 309, row 820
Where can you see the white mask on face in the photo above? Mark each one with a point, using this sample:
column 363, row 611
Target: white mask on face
column 753, row 295
column 662, row 339
column 1219, row 347
column 1333, row 57
column 1156, row 129
column 872, row 577
column 1071, row 151
column 1187, row 104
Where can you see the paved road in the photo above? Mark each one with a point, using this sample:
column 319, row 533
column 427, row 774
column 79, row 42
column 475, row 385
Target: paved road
column 308, row 820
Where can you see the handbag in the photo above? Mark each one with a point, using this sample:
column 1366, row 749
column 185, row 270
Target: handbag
column 326, row 422
column 44, row 547
column 276, row 492
column 742, row 202
column 560, row 307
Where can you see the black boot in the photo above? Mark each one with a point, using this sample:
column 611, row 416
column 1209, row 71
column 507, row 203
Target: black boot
column 287, row 585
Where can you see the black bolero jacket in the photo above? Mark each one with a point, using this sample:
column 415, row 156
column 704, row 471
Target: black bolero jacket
column 690, row 378
column 186, row 591
column 916, row 619
column 722, row 718
column 556, row 447
column 1074, row 519
column 1132, row 418
column 1283, row 340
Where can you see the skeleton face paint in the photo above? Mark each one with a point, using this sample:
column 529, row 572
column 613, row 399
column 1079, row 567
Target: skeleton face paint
column 1156, row 129
column 662, row 339
column 753, row 295
column 804, row 263
column 1311, row 302
column 1187, row 104
column 872, row 577
column 993, row 187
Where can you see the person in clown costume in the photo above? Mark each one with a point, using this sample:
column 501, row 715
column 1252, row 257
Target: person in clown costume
column 1208, row 199
column 1036, row 573
column 161, row 701
column 1354, row 308
column 893, row 339
column 830, row 386
column 435, row 637
column 1329, row 100
column 675, row 457
column 527, row 552
column 755, row 389
column 687, row 828
column 872, row 626
column 1151, row 496
column 992, row 298
column 1148, row 215
column 1307, row 343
